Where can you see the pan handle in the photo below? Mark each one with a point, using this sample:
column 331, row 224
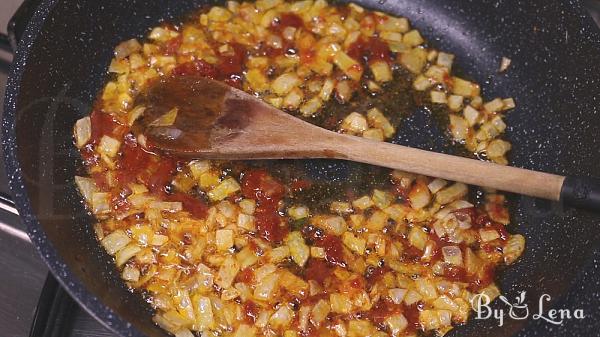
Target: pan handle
column 581, row 192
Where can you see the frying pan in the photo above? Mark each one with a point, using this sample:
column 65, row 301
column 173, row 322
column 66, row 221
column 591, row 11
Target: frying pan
column 61, row 63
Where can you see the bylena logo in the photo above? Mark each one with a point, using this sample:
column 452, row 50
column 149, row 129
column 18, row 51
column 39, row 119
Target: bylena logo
column 519, row 310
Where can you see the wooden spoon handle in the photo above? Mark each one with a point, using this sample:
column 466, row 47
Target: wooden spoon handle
column 470, row 171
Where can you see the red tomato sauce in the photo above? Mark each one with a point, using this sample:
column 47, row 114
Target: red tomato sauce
column 383, row 309
column 104, row 124
column 268, row 192
column 375, row 274
column 371, row 50
column 318, row 270
column 334, row 250
column 251, row 311
column 196, row 207
column 173, row 45
column 287, row 20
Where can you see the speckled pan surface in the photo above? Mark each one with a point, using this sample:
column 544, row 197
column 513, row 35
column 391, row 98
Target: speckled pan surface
column 554, row 77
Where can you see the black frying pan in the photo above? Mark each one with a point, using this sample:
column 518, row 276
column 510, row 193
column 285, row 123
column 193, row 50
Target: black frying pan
column 61, row 64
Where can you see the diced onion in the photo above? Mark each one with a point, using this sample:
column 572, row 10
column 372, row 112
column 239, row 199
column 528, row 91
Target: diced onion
column 126, row 253
column 340, row 303
column 327, row 89
column 317, row 252
column 397, row 295
column 438, row 97
column 311, row 107
column 498, row 123
column 87, row 187
column 412, row 297
column 167, row 119
column 219, row 14
column 83, row 131
column 417, row 237
column 419, row 195
column 377, row 221
column 471, row 115
column 340, row 207
column 109, row 146
column 344, row 91
column 414, row 60
column 100, row 203
column 246, row 222
column 396, row 323
column 451, row 193
column 426, row 288
column 355, row 123
column 278, row 254
column 445, row 60
column 227, row 272
column 378, row 120
column 127, row 48
column 204, row 313
column 488, row 235
column 285, row 83
column 393, row 24
column 497, row 148
column 509, row 103
column 348, row 65
column 115, row 241
column 281, row 317
column 374, row 134
column 130, row 274
column 363, row 202
column 224, row 239
column 514, row 247
column 381, row 71
column 245, row 331
column 452, row 255
column 167, row 206
column 458, row 127
column 335, row 225
column 464, row 87
column 159, row 240
column 382, row 199
column 437, row 74
column 247, row 206
column 319, row 312
column 413, row 38
column 436, row 184
column 265, row 289
column 504, row 64
column 224, row 189
column 298, row 249
column 455, row 102
column 493, row 106
column 422, row 83
column 355, row 244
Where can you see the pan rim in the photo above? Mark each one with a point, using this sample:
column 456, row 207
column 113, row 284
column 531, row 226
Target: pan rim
column 60, row 270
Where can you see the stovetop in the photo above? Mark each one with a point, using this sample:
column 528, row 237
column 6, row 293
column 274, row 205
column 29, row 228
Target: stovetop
column 31, row 302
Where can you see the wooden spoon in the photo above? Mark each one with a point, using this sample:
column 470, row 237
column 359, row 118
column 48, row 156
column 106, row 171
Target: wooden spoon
column 196, row 117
